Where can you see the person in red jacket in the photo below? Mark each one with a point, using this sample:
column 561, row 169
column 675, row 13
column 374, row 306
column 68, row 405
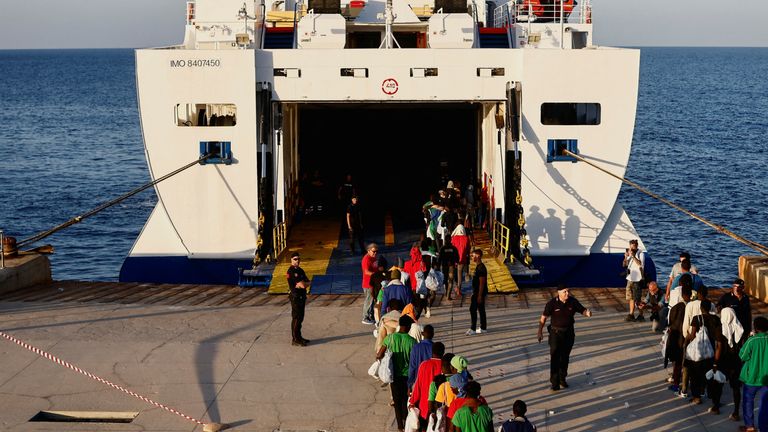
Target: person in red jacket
column 428, row 370
column 460, row 240
column 412, row 266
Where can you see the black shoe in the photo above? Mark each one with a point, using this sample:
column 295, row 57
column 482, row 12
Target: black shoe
column 555, row 387
column 563, row 384
column 306, row 341
column 298, row 343
column 629, row 318
column 640, row 318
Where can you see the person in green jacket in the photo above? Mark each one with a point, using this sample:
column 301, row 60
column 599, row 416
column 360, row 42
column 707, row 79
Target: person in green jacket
column 474, row 416
column 400, row 344
column 754, row 375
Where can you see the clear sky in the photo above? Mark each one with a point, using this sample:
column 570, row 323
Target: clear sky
column 145, row 23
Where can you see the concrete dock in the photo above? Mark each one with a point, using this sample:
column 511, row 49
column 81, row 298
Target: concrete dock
column 223, row 354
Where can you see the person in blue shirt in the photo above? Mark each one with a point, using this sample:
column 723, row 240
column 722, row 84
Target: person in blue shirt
column 698, row 283
column 420, row 352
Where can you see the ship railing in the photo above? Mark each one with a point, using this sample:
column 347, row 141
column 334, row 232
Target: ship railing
column 476, row 19
column 500, row 239
column 279, row 238
column 263, row 25
column 502, row 18
column 296, row 10
column 518, row 11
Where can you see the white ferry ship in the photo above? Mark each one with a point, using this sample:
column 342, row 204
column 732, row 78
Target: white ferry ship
column 396, row 92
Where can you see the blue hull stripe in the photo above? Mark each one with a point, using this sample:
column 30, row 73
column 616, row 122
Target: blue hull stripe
column 595, row 270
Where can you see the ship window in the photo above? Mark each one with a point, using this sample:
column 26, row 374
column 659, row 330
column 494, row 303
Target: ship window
column 570, row 113
column 204, row 114
column 221, row 150
column 555, row 149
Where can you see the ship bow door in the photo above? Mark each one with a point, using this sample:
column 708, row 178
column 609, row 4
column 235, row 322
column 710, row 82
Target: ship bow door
column 264, row 244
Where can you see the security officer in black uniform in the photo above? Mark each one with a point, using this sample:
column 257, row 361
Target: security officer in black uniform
column 561, row 336
column 298, row 284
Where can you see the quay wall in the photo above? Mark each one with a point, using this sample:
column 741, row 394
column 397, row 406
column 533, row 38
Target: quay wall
column 24, row 271
column 754, row 271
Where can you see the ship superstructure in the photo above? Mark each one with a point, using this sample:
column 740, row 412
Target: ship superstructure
column 399, row 91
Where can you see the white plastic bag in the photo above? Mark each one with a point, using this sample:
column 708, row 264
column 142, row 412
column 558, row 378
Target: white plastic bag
column 386, row 368
column 412, row 421
column 700, row 347
column 374, row 369
column 438, row 422
column 664, row 341
column 716, row 375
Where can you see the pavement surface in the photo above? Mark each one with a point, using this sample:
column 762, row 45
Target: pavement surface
column 235, row 365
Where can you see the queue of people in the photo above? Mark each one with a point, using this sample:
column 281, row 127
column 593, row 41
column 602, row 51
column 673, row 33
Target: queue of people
column 708, row 344
column 433, row 390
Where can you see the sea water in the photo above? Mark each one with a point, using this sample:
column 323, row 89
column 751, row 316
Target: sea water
column 71, row 140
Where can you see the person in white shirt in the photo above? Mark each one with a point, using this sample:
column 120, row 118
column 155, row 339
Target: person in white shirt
column 677, row 270
column 634, row 260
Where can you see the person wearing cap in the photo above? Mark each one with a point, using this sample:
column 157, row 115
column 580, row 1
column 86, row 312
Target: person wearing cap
column 561, row 309
column 298, row 284
column 738, row 300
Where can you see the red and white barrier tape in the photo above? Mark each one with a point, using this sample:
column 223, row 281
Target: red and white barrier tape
column 92, row 376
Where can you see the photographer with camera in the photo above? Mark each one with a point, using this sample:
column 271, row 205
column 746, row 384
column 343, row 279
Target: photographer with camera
column 634, row 260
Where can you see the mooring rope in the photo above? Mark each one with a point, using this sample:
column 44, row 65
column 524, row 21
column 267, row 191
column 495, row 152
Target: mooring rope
column 61, row 362
column 41, row 235
column 719, row 228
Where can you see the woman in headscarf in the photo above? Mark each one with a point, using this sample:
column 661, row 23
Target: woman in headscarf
column 730, row 363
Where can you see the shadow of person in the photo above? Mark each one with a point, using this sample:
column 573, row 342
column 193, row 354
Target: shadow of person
column 572, row 229
column 553, row 228
column 534, row 226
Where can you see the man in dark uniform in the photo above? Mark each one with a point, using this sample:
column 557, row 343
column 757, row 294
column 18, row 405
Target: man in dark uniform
column 561, row 335
column 739, row 301
column 298, row 284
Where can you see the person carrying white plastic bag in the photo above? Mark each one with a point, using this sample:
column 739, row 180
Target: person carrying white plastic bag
column 412, row 421
column 400, row 345
column 700, row 355
column 385, row 372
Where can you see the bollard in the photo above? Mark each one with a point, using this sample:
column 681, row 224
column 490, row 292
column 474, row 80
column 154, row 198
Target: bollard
column 2, row 251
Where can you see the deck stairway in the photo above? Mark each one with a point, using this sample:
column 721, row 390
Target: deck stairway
column 494, row 37
column 279, row 38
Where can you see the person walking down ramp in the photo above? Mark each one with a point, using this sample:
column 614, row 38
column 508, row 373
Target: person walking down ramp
column 561, row 335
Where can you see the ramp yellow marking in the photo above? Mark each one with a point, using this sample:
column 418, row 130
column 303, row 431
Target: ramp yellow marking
column 315, row 240
column 389, row 231
column 499, row 278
